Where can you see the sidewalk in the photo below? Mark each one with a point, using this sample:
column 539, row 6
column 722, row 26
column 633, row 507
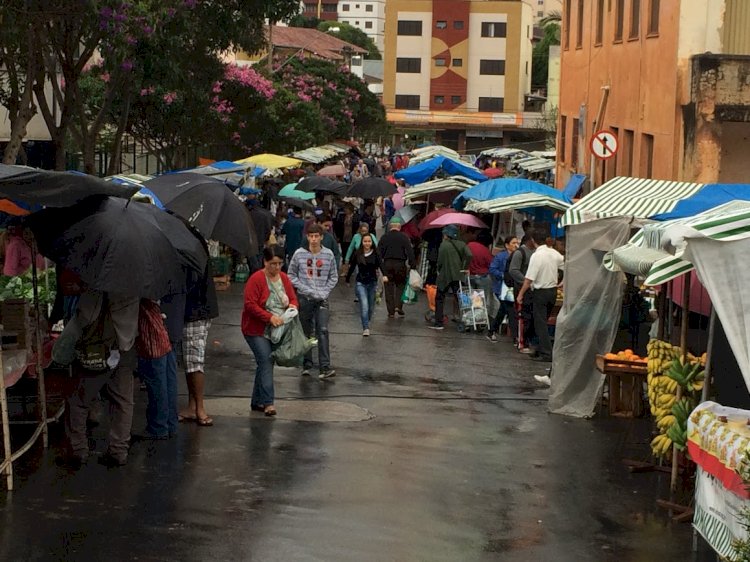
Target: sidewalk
column 426, row 446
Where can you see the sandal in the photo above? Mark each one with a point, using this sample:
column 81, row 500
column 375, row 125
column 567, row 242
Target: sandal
column 269, row 411
column 255, row 408
column 184, row 419
column 204, row 422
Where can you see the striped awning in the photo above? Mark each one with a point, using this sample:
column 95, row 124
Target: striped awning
column 629, row 197
column 452, row 183
column 645, row 253
column 520, row 201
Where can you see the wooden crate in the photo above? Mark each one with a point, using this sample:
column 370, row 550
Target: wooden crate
column 222, row 282
column 625, row 381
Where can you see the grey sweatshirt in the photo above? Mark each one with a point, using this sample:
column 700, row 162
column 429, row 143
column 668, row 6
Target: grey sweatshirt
column 313, row 275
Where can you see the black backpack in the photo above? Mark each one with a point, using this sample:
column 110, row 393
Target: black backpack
column 507, row 277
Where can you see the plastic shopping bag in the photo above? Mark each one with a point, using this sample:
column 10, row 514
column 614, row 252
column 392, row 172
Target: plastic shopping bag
column 415, row 280
column 276, row 333
column 291, row 350
column 409, row 296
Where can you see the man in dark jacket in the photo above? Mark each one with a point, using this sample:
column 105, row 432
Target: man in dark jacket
column 396, row 252
column 201, row 307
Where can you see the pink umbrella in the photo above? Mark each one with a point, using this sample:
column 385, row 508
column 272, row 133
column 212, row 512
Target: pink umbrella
column 398, row 198
column 463, row 219
column 425, row 223
column 332, row 171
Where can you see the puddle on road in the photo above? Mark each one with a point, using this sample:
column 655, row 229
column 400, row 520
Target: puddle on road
column 292, row 410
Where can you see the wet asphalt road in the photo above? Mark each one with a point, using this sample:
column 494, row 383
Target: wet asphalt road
column 425, row 447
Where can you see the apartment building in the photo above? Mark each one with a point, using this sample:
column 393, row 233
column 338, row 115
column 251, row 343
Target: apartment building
column 321, row 9
column 367, row 16
column 668, row 78
column 461, row 68
column 543, row 8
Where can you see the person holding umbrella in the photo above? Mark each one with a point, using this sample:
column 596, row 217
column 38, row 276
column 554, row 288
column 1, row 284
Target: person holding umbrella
column 397, row 253
column 453, row 259
column 268, row 293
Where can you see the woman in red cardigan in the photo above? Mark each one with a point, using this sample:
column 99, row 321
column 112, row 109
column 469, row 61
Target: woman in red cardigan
column 268, row 293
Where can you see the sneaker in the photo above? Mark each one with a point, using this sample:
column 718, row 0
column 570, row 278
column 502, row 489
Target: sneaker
column 391, row 316
column 526, row 351
column 327, row 373
column 400, row 313
column 305, row 372
column 492, row 337
column 436, row 327
column 365, row 332
column 543, row 379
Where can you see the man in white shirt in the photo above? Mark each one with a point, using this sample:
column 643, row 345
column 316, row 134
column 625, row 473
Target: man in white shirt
column 542, row 278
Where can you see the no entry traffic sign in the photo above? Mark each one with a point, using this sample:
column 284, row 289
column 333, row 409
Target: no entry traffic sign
column 604, row 145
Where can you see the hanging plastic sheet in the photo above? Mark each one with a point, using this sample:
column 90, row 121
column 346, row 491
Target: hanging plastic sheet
column 587, row 324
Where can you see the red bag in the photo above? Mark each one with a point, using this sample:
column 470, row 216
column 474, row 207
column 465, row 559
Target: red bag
column 153, row 338
column 431, row 291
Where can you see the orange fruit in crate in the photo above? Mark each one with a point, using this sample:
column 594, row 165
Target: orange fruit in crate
column 610, row 356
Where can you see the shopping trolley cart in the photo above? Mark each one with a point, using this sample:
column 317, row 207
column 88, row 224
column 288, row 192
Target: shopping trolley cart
column 472, row 306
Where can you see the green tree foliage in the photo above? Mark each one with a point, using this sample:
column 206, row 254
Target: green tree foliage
column 353, row 35
column 540, row 54
column 301, row 20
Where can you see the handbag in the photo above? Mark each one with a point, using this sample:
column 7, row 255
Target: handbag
column 415, row 280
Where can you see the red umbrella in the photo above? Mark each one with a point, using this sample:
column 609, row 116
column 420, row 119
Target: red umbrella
column 494, row 173
column 424, row 224
column 332, row 171
column 463, row 219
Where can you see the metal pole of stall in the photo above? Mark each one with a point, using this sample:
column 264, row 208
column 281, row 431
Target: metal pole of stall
column 684, row 356
column 709, row 356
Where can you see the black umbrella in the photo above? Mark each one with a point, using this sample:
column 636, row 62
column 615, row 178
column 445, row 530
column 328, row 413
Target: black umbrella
column 210, row 206
column 301, row 203
column 125, row 247
column 371, row 188
column 320, row 183
column 55, row 189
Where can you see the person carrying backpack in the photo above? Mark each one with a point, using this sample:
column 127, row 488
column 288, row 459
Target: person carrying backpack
column 519, row 264
column 99, row 343
column 501, row 283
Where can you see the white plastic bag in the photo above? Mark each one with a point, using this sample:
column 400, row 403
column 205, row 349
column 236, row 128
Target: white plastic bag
column 415, row 280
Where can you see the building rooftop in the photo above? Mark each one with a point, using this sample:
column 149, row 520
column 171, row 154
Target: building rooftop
column 313, row 41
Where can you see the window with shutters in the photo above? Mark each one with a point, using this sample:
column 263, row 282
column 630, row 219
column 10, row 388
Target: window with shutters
column 407, row 102
column 409, row 27
column 491, row 104
column 408, row 65
column 492, row 67
column 494, row 29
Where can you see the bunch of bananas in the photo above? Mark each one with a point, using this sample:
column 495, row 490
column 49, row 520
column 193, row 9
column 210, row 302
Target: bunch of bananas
column 662, row 390
column 667, row 373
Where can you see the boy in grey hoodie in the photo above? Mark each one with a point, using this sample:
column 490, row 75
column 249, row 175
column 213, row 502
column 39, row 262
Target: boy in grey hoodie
column 314, row 274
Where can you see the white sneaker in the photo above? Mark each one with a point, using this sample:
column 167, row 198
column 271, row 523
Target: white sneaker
column 543, row 379
column 365, row 333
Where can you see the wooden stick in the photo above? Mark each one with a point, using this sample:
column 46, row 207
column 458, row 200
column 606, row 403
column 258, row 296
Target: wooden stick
column 709, row 356
column 684, row 354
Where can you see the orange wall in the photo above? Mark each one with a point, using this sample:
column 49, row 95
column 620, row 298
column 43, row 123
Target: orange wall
column 643, row 90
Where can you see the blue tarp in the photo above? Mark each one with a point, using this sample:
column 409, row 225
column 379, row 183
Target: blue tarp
column 710, row 196
column 496, row 189
column 414, row 175
column 574, row 185
column 146, row 192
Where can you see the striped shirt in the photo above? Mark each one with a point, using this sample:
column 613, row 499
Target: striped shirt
column 313, row 275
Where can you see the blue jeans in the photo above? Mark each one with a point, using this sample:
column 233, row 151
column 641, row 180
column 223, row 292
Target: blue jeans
column 160, row 377
column 366, row 296
column 314, row 317
column 263, row 394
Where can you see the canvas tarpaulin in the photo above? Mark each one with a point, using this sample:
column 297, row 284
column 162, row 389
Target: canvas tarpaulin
column 587, row 324
column 723, row 269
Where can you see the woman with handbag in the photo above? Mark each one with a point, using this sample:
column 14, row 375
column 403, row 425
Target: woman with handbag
column 268, row 294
